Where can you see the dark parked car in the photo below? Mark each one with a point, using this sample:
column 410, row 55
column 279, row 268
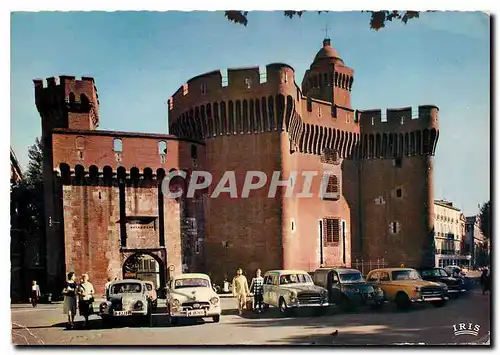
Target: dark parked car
column 347, row 288
column 456, row 285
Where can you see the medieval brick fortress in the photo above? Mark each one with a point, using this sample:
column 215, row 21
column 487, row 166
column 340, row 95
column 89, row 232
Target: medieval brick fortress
column 104, row 201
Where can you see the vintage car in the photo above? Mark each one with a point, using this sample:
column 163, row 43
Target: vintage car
column 347, row 288
column 404, row 286
column 456, row 285
column 126, row 298
column 192, row 296
column 151, row 293
column 292, row 289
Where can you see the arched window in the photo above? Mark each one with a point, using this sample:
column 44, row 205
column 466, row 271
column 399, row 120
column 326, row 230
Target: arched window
column 162, row 147
column 117, row 145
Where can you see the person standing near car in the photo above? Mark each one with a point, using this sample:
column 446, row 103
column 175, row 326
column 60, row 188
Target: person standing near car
column 257, row 288
column 86, row 298
column 69, row 292
column 240, row 290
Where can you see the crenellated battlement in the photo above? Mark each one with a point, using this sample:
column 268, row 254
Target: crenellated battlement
column 63, row 79
column 67, row 94
column 399, row 119
column 237, row 80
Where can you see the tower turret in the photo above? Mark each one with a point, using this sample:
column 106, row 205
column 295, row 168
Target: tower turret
column 328, row 79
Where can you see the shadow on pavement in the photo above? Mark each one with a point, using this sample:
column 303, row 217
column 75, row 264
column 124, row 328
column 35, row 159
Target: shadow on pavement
column 158, row 319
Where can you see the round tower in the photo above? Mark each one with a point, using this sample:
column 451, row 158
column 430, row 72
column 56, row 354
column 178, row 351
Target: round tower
column 328, row 79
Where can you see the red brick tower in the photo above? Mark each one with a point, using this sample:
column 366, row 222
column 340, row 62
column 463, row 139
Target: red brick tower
column 397, row 175
column 104, row 203
column 68, row 104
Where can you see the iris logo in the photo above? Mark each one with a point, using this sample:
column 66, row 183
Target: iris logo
column 466, row 329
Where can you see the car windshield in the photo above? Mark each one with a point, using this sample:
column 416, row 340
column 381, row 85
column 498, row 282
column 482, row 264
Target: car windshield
column 191, row 282
column 295, row 279
column 405, row 275
column 352, row 277
column 434, row 273
column 129, row 287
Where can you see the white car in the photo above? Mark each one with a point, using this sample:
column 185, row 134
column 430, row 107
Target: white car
column 126, row 298
column 192, row 296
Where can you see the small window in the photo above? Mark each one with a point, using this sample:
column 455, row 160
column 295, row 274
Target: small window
column 117, row 145
column 80, row 154
column 203, row 88
column 373, row 121
column 399, row 193
column 319, row 111
column 194, row 151
column 163, row 159
column 248, row 83
column 293, row 226
column 394, row 227
column 402, row 119
column 398, row 162
column 162, row 147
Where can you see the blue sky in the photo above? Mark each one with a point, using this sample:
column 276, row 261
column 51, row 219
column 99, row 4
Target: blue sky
column 139, row 59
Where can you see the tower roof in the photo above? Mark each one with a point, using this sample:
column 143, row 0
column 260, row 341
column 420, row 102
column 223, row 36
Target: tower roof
column 327, row 52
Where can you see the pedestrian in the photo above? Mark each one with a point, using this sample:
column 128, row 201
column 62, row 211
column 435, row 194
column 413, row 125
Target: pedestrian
column 106, row 286
column 34, row 294
column 69, row 292
column 486, row 280
column 86, row 298
column 257, row 288
column 240, row 290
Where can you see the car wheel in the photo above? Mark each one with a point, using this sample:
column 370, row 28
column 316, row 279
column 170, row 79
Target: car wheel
column 282, row 306
column 321, row 311
column 107, row 321
column 439, row 303
column 346, row 304
column 402, row 300
column 216, row 319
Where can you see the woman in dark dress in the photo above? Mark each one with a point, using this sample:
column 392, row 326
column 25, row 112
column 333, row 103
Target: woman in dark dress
column 70, row 292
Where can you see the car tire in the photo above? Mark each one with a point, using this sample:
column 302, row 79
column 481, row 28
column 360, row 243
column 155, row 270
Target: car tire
column 321, row 311
column 282, row 306
column 402, row 301
column 346, row 304
column 439, row 303
column 107, row 321
column 216, row 319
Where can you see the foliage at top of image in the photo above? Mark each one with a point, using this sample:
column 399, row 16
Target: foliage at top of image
column 378, row 19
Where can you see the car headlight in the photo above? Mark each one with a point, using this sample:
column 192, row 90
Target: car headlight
column 445, row 288
column 378, row 290
column 138, row 305
column 103, row 306
column 176, row 303
column 214, row 300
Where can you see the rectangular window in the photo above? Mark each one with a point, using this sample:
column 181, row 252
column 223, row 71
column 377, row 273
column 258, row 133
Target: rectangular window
column 194, row 151
column 331, row 230
column 399, row 193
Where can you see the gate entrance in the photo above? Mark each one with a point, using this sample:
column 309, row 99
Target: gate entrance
column 145, row 267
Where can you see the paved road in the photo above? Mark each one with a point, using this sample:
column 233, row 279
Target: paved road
column 422, row 324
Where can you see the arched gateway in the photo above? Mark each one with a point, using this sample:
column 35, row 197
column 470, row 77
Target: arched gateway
column 145, row 266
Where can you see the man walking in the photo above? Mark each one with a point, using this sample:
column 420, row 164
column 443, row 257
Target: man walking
column 257, row 288
column 240, row 290
column 34, row 294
